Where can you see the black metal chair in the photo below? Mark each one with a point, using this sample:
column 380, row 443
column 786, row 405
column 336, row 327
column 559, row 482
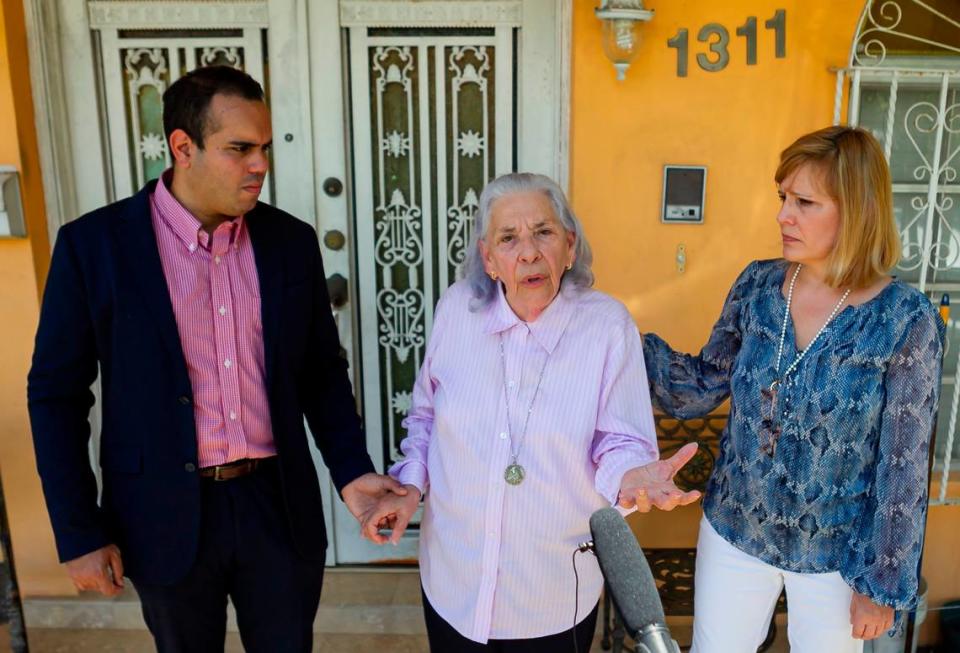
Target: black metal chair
column 673, row 569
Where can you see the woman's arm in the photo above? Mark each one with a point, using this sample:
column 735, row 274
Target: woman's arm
column 625, row 441
column 625, row 436
column 889, row 540
column 687, row 386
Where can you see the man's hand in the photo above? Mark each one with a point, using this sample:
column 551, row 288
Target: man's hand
column 652, row 485
column 362, row 493
column 392, row 511
column 868, row 619
column 100, row 570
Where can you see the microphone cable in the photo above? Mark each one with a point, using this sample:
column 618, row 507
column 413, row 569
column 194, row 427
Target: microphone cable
column 576, row 597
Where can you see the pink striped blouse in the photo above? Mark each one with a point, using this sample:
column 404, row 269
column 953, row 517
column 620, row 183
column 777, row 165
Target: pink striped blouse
column 215, row 292
column 495, row 558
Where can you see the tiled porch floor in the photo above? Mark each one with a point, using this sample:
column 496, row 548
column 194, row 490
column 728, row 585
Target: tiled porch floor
column 361, row 611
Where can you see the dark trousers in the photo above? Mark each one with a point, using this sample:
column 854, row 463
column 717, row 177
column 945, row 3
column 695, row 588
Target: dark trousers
column 444, row 638
column 245, row 553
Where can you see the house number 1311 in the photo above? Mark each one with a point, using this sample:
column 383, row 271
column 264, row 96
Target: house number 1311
column 717, row 38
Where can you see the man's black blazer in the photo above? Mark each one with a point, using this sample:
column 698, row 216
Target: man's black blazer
column 107, row 306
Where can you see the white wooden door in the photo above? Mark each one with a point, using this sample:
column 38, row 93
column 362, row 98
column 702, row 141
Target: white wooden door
column 441, row 97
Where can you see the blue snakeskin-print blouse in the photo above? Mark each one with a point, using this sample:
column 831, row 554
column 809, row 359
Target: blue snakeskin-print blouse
column 846, row 489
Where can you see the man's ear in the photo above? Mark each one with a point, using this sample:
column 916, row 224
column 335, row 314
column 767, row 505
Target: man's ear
column 182, row 148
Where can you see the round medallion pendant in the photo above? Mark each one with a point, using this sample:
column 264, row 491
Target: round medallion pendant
column 514, row 474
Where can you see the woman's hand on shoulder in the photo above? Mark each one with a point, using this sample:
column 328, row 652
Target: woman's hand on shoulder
column 868, row 619
column 392, row 512
column 652, row 485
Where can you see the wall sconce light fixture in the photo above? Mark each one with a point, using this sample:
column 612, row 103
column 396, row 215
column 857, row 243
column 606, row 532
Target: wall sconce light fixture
column 621, row 31
column 11, row 207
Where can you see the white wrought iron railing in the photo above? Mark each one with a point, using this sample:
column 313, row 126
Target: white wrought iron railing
column 903, row 83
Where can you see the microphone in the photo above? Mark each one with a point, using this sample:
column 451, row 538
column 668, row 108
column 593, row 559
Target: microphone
column 630, row 582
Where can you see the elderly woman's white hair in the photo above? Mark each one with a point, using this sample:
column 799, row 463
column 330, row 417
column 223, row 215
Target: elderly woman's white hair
column 484, row 288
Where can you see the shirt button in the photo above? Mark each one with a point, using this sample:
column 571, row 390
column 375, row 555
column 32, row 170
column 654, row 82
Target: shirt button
column 192, row 246
column 222, row 310
column 510, row 384
column 233, row 415
column 184, row 399
column 227, row 363
column 503, row 435
column 190, row 467
column 216, row 259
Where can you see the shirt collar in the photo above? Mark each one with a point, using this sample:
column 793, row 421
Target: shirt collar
column 184, row 225
column 547, row 328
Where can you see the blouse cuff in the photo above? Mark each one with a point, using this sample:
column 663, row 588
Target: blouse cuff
column 862, row 586
column 613, row 466
column 411, row 472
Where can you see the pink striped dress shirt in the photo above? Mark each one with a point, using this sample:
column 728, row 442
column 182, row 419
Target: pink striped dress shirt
column 215, row 293
column 495, row 558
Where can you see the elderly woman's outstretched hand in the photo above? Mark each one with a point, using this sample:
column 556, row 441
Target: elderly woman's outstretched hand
column 652, row 485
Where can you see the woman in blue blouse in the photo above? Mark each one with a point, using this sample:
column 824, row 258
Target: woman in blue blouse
column 833, row 372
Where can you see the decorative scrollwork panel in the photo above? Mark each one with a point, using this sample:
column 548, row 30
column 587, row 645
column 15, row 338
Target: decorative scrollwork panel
column 672, row 434
column 147, row 73
column 432, row 140
column 396, row 73
column 471, row 138
column 891, row 27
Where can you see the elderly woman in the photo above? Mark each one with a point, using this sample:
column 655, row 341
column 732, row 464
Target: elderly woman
column 530, row 412
column 832, row 369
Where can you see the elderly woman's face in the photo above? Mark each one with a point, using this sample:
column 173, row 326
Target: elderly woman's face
column 527, row 248
column 809, row 218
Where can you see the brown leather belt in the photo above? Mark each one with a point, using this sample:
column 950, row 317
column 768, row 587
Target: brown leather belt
column 234, row 469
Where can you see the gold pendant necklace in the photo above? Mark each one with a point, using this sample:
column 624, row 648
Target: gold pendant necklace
column 514, row 472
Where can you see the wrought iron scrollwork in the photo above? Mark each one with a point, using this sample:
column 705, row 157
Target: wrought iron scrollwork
column 672, row 434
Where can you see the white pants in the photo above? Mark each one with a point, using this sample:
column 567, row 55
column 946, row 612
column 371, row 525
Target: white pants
column 736, row 593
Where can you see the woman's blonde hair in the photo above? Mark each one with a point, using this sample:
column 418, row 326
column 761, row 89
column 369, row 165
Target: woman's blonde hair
column 855, row 174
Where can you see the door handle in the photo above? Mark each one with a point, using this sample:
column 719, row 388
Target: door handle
column 338, row 290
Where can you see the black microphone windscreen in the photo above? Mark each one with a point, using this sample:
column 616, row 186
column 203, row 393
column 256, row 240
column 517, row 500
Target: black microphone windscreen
column 625, row 568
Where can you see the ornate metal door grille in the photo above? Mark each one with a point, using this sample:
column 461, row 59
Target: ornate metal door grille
column 433, row 122
column 904, row 85
column 142, row 50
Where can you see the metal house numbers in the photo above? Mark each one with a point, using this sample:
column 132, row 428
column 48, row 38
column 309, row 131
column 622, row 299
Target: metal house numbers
column 717, row 39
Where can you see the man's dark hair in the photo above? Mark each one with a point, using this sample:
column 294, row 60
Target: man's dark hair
column 186, row 102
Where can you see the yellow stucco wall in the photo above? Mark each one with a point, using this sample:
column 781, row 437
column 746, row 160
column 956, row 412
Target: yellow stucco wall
column 23, row 264
column 735, row 122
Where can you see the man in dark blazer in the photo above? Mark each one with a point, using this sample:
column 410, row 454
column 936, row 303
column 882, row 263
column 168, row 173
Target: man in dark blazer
column 207, row 316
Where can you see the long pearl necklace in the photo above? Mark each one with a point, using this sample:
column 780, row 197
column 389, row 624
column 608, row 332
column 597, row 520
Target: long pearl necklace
column 783, row 331
column 769, row 430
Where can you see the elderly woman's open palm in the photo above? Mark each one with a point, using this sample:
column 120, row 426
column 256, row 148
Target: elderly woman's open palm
column 652, row 485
